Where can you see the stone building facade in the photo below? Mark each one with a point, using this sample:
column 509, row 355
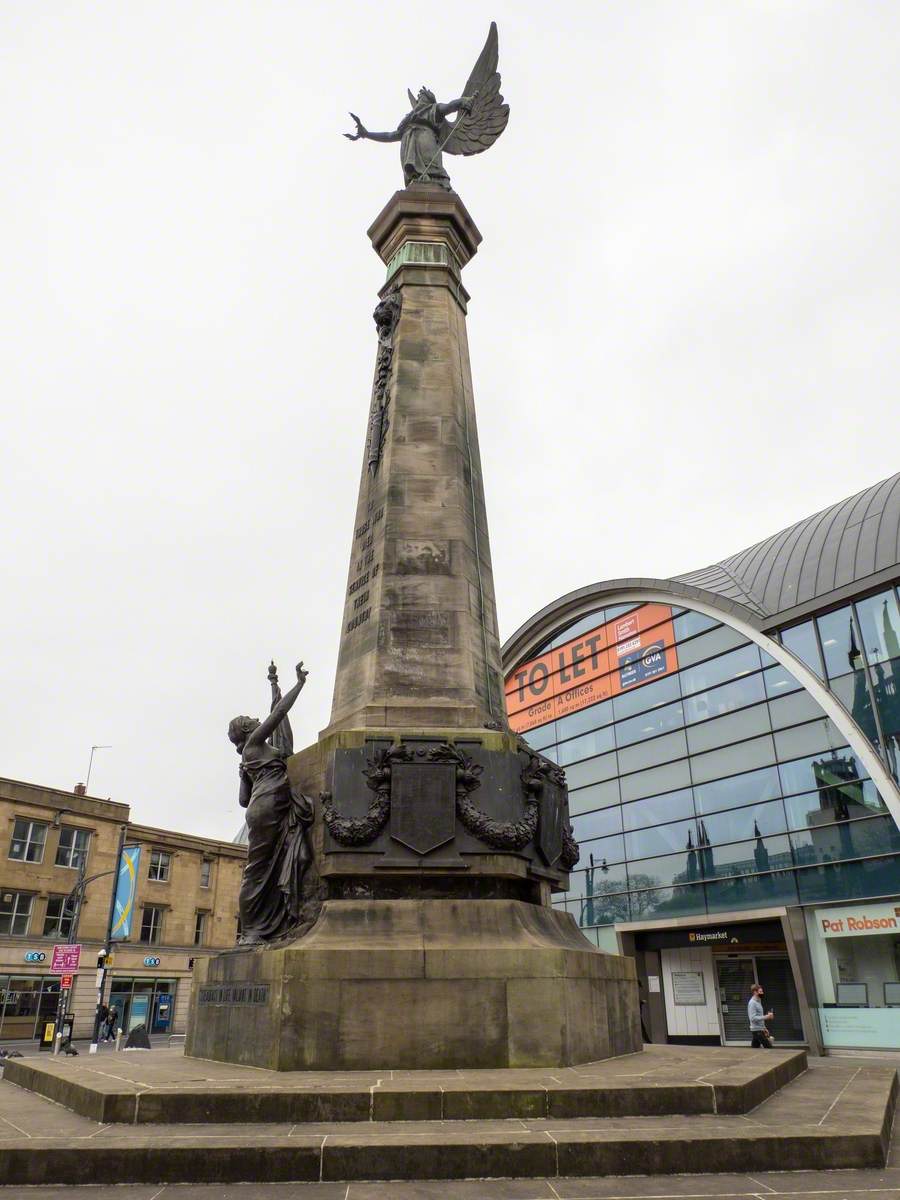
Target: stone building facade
column 186, row 905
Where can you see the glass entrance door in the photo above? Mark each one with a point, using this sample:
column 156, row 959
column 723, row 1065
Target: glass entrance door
column 736, row 975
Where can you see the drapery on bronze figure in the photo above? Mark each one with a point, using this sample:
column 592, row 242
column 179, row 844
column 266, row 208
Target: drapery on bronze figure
column 425, row 133
column 278, row 818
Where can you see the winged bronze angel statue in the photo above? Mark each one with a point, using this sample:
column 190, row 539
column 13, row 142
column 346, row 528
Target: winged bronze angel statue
column 425, row 133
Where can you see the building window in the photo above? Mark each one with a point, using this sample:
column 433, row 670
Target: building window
column 151, row 923
column 200, row 929
column 15, row 912
column 27, row 843
column 58, row 918
column 73, row 847
column 205, row 872
column 160, row 861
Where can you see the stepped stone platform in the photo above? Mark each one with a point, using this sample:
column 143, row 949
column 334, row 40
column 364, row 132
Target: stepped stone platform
column 668, row 1110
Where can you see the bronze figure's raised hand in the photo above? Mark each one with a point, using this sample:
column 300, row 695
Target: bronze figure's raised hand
column 425, row 133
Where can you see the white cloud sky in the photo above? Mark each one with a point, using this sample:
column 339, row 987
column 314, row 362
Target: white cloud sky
column 683, row 329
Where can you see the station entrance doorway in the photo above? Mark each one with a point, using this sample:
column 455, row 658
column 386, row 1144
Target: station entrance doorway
column 736, row 974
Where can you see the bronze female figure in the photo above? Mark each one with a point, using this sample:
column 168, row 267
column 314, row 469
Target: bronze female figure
column 277, row 819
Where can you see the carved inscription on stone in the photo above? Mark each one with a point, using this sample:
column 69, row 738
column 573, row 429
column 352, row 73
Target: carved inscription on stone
column 421, row 630
column 235, row 993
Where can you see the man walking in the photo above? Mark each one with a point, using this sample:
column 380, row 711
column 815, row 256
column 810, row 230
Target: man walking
column 759, row 1035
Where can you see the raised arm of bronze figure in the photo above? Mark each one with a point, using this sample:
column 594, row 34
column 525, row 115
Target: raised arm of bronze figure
column 362, row 132
column 280, row 710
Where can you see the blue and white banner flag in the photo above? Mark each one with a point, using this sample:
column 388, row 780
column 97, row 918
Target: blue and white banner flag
column 126, row 886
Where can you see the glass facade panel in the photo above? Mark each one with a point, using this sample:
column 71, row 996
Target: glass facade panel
column 840, row 643
column 651, row 695
column 886, row 681
column 598, row 741
column 653, row 752
column 667, row 869
column 736, row 791
column 846, row 839
column 715, row 703
column 752, row 891
column 598, row 795
column 592, row 770
column 597, row 824
column 749, row 722
column 838, row 881
column 747, row 858
column 779, row 681
column 660, row 839
column 589, row 718
column 690, row 623
column 666, row 902
column 853, row 692
column 850, row 800
column 649, row 724
column 657, row 809
column 734, row 824
column 717, row 641
column 541, row 736
column 743, row 756
column 879, row 619
column 806, row 739
column 720, row 670
column 828, row 769
column 604, row 850
column 657, row 779
column 793, row 709
column 801, row 641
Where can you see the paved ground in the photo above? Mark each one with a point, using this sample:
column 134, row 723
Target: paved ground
column 29, row 1116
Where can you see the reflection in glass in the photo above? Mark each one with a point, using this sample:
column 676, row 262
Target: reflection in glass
column 779, row 681
column 840, row 644
column 837, row 881
column 656, row 809
column 801, row 641
column 737, row 823
column 886, row 682
column 649, row 695
column 587, row 718
column 752, row 857
column 830, row 768
column 598, row 795
column 736, row 791
column 752, row 891
column 603, row 851
column 541, row 736
column 691, row 623
column 592, row 770
column 853, row 692
column 582, row 625
column 665, row 902
column 660, row 839
column 708, row 645
column 879, row 620
column 859, row 798
column 846, row 839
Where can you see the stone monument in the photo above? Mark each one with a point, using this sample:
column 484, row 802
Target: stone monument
column 424, row 935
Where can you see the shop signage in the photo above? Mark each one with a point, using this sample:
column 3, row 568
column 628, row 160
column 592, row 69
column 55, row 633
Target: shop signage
column 719, row 937
column 687, row 987
column 65, row 959
column 858, row 920
column 151, row 962
column 65, row 982
column 603, row 662
column 35, row 955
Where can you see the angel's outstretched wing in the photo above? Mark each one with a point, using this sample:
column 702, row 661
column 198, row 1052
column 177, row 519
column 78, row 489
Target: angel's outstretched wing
column 477, row 130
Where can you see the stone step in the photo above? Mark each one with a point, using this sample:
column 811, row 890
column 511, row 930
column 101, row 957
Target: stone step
column 828, row 1118
column 192, row 1091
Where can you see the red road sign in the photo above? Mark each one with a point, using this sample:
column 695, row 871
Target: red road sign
column 66, row 982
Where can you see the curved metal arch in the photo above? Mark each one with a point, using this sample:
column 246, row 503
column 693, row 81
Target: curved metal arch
column 582, row 603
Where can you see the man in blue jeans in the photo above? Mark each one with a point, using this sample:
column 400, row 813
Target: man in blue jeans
column 759, row 1035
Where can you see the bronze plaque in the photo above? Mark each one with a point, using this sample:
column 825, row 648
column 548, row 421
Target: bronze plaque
column 423, row 805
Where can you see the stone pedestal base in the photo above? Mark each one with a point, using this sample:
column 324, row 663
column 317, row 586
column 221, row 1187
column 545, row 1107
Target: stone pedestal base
column 414, row 984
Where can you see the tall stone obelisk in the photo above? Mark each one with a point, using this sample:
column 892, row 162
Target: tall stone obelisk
column 419, row 641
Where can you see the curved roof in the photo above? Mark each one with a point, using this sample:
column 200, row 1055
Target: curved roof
column 844, row 550
column 815, row 560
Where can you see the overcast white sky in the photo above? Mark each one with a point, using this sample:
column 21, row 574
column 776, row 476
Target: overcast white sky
column 683, row 329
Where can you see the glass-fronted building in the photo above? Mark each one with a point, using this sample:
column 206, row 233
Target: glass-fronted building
column 731, row 740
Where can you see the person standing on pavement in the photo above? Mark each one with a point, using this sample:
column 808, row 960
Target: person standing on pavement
column 759, row 1035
